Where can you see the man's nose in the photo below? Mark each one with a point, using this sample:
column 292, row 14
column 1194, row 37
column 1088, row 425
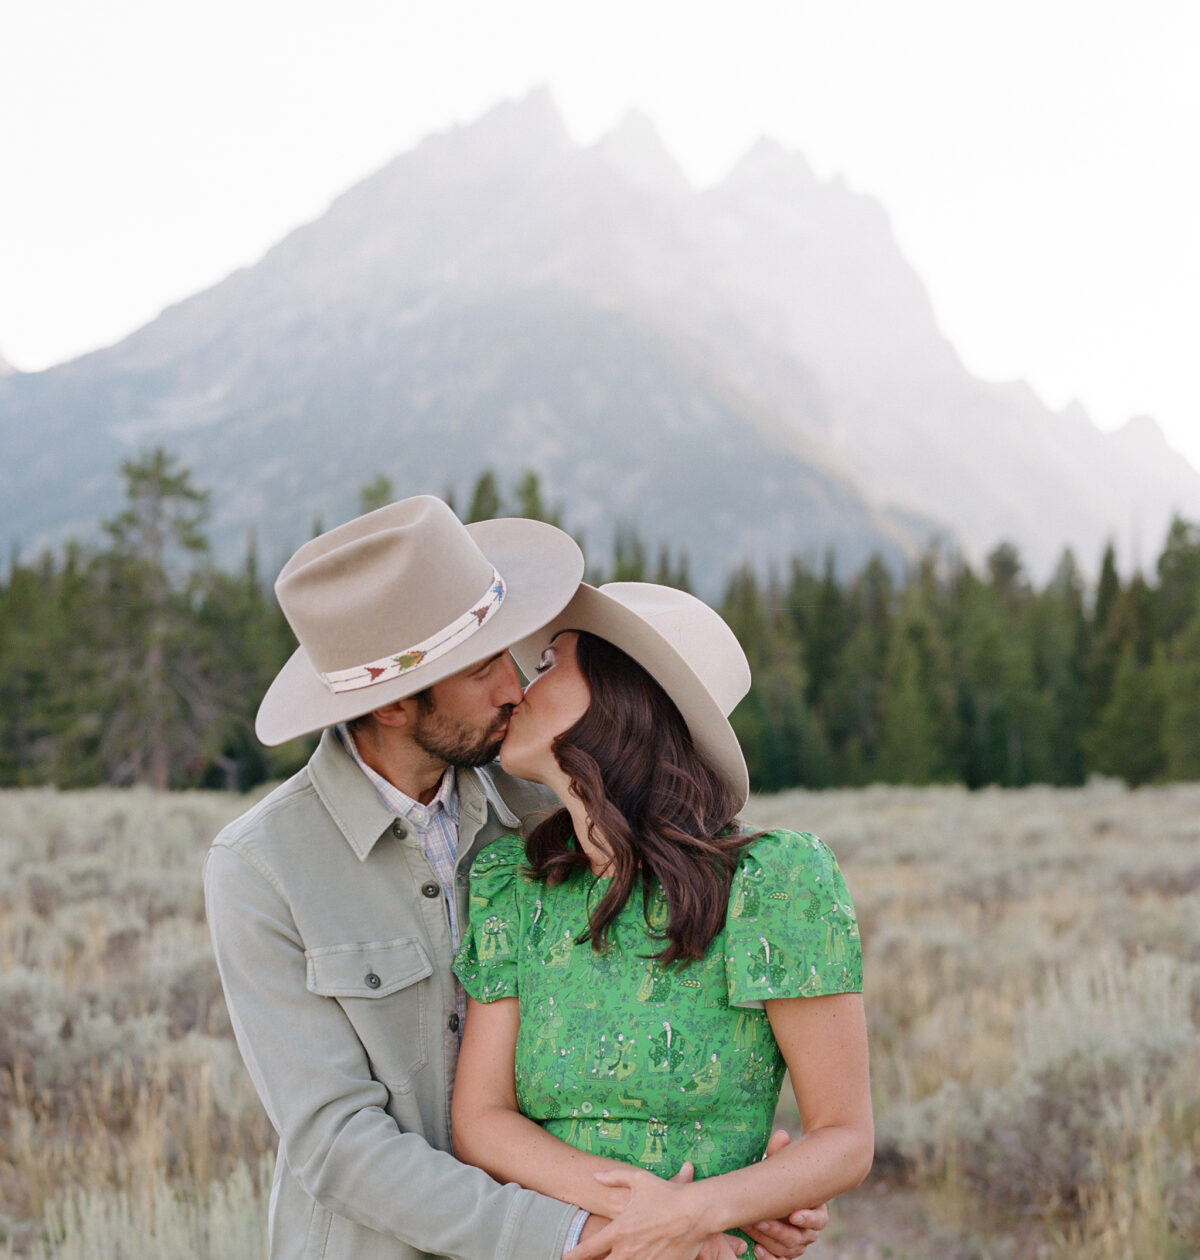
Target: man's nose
column 508, row 683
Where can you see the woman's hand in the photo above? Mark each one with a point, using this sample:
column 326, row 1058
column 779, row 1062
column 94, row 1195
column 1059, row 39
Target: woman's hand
column 786, row 1239
column 663, row 1220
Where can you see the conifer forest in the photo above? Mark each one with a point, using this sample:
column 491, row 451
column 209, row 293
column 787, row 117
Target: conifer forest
column 137, row 660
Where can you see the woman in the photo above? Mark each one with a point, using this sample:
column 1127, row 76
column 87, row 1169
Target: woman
column 642, row 970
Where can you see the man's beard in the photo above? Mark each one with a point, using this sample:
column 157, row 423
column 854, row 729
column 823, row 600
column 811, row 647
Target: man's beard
column 458, row 744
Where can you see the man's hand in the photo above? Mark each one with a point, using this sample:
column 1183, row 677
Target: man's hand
column 662, row 1221
column 660, row 1225
column 783, row 1240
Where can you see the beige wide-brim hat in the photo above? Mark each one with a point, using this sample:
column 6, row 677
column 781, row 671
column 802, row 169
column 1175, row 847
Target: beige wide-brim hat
column 681, row 643
column 401, row 598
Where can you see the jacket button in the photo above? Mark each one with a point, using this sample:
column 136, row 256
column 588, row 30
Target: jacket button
column 399, row 830
column 431, row 889
column 453, row 1022
column 373, row 981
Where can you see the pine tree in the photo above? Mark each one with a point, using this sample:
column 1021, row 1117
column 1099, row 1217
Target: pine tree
column 30, row 648
column 1107, row 589
column 910, row 749
column 852, row 701
column 918, row 732
column 784, row 745
column 485, row 499
column 1124, row 610
column 1058, row 629
column 240, row 640
column 1004, row 715
column 1177, row 598
column 155, row 701
column 529, row 502
column 669, row 572
column 1007, row 575
column 1181, row 717
column 1127, row 740
column 828, row 632
column 629, row 555
column 376, row 493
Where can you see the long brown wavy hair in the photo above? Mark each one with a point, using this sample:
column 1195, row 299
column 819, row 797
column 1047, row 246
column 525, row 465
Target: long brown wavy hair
column 660, row 807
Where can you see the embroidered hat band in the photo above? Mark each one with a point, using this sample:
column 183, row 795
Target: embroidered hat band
column 398, row 663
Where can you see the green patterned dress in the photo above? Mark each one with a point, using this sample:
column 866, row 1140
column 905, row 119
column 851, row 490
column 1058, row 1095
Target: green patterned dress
column 647, row 1064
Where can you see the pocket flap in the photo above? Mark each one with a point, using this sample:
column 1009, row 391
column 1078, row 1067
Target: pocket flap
column 371, row 970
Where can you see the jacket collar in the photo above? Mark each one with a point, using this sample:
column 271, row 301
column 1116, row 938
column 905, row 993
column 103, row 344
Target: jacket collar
column 479, row 787
column 359, row 813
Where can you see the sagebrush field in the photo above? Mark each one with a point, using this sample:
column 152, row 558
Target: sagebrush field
column 1033, row 987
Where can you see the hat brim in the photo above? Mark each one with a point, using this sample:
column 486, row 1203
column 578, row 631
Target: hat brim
column 541, row 567
column 599, row 614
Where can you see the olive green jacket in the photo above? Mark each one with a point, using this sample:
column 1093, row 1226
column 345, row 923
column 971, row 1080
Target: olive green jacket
column 333, row 945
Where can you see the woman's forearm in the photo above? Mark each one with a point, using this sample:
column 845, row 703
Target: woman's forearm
column 512, row 1147
column 812, row 1170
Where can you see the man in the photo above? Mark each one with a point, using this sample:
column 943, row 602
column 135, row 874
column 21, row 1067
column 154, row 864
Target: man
column 336, row 903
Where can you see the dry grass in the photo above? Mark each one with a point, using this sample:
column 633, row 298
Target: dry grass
column 125, row 1113
column 1033, row 963
column 1033, row 986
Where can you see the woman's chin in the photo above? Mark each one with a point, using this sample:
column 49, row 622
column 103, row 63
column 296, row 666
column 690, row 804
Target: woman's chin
column 520, row 767
column 510, row 762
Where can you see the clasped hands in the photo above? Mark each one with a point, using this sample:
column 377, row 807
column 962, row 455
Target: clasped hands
column 664, row 1220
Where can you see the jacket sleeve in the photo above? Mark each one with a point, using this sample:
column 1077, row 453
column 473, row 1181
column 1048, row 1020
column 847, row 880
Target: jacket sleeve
column 313, row 1076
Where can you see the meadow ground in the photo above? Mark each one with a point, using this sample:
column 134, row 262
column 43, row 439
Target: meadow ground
column 1033, row 989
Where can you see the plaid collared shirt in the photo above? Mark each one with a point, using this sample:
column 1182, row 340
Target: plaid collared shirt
column 436, row 825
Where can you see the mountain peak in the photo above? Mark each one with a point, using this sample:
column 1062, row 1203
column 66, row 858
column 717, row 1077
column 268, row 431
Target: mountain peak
column 636, row 150
column 1143, row 429
column 527, row 122
column 513, row 136
column 767, row 164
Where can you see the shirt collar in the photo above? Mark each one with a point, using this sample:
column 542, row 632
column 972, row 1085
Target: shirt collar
column 400, row 803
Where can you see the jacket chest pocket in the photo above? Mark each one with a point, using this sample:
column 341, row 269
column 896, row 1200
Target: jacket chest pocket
column 381, row 985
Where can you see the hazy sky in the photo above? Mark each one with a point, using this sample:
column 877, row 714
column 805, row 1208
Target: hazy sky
column 1038, row 160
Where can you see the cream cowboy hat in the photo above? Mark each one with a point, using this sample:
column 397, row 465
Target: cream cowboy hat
column 399, row 599
column 681, row 643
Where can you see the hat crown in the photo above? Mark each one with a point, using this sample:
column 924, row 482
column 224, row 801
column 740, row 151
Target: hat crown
column 697, row 633
column 381, row 583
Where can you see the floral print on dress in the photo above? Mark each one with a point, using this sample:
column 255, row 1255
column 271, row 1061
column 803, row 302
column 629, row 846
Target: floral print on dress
column 654, row 1065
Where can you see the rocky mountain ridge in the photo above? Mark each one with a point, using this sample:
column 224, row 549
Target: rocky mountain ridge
column 751, row 371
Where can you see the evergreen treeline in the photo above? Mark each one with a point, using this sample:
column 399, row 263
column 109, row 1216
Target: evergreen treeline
column 139, row 661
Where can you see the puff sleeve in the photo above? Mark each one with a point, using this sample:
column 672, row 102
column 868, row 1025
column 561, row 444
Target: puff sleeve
column 790, row 930
column 486, row 964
